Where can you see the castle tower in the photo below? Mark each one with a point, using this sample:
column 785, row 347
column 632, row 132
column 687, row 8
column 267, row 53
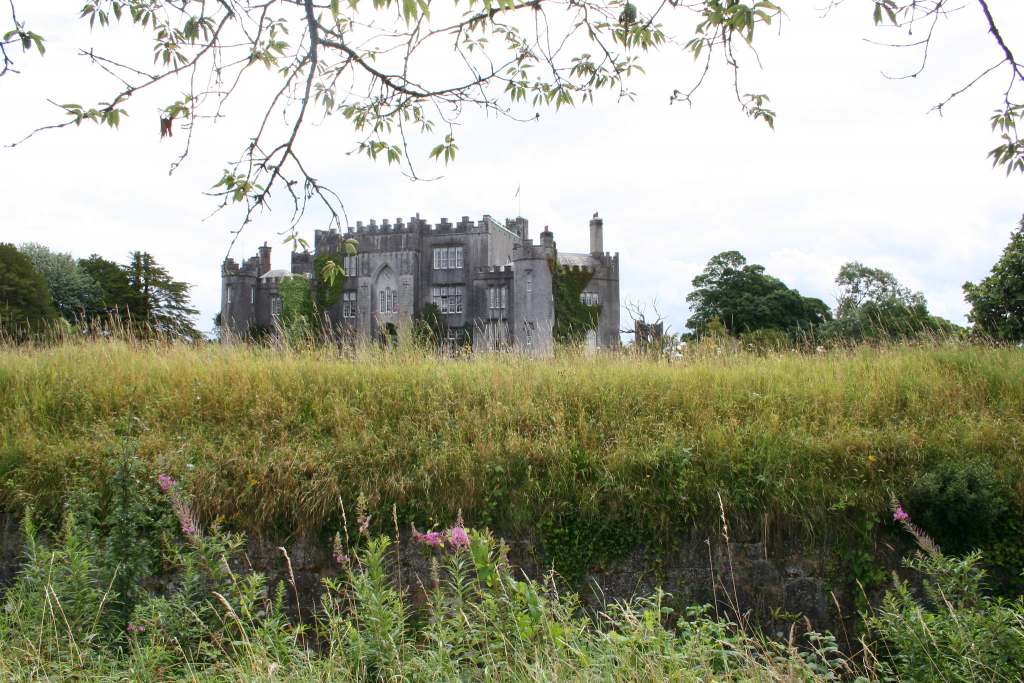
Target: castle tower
column 533, row 318
column 264, row 258
column 596, row 235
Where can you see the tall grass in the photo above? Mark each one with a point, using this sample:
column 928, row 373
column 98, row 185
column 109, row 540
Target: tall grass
column 610, row 447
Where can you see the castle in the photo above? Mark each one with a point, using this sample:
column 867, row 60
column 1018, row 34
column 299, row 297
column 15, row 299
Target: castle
column 491, row 283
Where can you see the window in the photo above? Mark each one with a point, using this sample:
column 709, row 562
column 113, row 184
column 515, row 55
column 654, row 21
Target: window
column 529, row 284
column 447, row 258
column 348, row 304
column 276, row 306
column 387, row 301
column 252, row 295
column 350, row 265
column 447, row 299
column 229, row 295
column 590, row 298
column 497, row 298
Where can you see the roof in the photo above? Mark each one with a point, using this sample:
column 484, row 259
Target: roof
column 587, row 260
column 271, row 274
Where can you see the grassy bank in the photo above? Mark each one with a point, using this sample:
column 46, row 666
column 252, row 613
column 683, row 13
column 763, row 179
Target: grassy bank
column 594, row 455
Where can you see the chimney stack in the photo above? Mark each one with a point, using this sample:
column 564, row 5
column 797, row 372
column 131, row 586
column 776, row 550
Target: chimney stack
column 264, row 258
column 547, row 239
column 596, row 235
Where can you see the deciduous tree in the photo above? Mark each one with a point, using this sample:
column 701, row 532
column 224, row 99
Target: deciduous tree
column 874, row 306
column 997, row 302
column 25, row 301
column 75, row 293
column 744, row 298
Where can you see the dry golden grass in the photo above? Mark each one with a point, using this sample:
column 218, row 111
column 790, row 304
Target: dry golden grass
column 273, row 439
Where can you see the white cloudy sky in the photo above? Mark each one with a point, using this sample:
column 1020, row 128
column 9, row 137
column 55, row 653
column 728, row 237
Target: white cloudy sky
column 857, row 168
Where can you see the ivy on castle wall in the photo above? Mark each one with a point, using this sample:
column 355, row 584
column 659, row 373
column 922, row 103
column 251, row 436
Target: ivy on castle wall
column 329, row 280
column 296, row 301
column 573, row 318
column 305, row 301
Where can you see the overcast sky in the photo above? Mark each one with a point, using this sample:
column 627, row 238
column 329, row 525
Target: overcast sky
column 856, row 169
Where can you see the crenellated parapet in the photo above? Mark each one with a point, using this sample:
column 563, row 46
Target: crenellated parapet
column 480, row 272
column 415, row 224
column 302, row 263
column 249, row 268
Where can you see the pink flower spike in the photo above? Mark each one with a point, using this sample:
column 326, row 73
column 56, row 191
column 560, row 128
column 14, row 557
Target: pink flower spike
column 166, row 482
column 458, row 538
column 899, row 514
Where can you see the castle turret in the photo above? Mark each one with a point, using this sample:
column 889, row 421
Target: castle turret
column 547, row 239
column 533, row 310
column 520, row 226
column 302, row 263
column 596, row 235
column 264, row 258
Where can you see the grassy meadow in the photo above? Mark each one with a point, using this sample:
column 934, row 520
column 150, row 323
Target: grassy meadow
column 126, row 451
column 617, row 448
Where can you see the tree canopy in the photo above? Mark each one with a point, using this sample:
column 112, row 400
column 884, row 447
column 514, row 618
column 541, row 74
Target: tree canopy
column 75, row 293
column 25, row 301
column 394, row 69
column 163, row 302
column 117, row 297
column 874, row 306
column 744, row 298
column 997, row 302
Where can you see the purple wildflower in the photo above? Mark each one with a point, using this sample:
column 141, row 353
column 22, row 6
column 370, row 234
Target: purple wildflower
column 166, row 482
column 458, row 537
column 434, row 539
column 186, row 518
column 132, row 628
column 899, row 514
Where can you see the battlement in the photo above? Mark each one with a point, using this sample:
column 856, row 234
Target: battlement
column 302, row 263
column 250, row 267
column 416, row 224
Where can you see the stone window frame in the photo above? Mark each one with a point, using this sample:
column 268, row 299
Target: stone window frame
column 590, row 298
column 351, row 265
column 497, row 298
column 387, row 301
column 348, row 303
column 448, row 257
column 448, row 298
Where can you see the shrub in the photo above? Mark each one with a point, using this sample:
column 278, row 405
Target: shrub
column 956, row 633
column 960, row 502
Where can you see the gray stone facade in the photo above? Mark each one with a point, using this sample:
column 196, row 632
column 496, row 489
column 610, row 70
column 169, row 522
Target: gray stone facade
column 491, row 282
